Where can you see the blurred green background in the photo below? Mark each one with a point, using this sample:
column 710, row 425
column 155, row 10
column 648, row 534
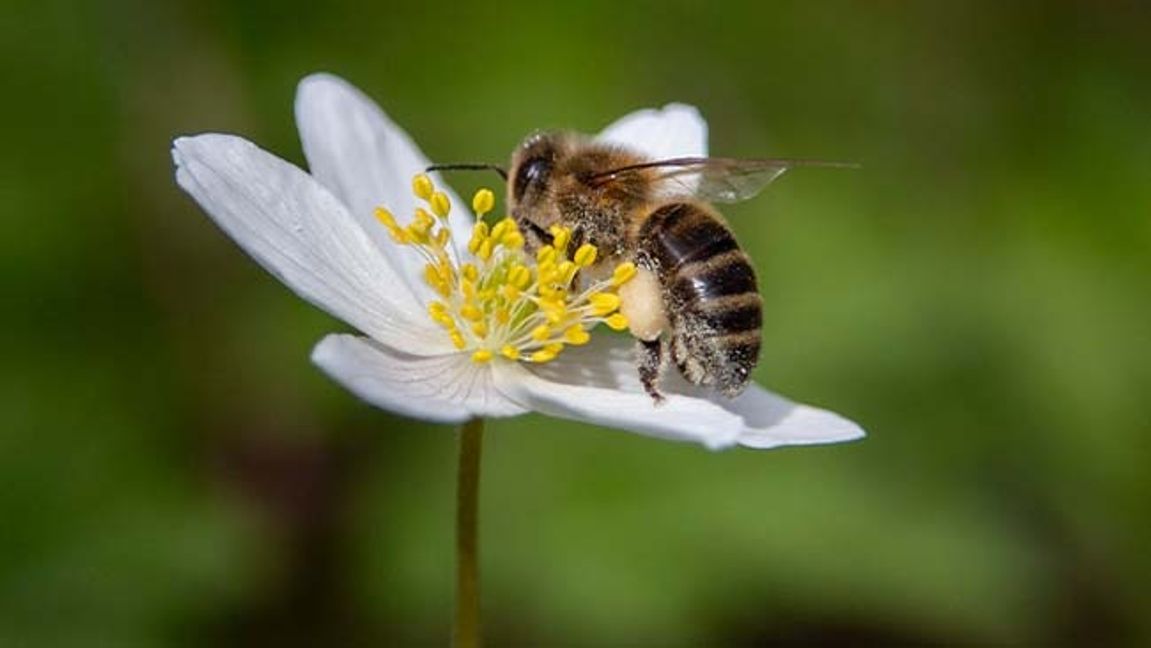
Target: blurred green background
column 173, row 471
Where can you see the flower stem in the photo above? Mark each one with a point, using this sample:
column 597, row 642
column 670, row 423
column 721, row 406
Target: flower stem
column 467, row 630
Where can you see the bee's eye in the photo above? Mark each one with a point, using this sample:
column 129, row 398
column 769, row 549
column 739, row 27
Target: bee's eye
column 534, row 171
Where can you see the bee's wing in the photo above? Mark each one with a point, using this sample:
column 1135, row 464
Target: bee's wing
column 711, row 179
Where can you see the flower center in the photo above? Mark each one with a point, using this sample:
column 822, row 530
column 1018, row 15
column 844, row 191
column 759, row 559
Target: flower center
column 501, row 301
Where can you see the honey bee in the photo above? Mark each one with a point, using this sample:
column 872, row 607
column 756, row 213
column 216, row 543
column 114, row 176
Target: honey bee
column 695, row 301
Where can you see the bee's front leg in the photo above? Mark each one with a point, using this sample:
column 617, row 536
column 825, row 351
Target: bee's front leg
column 651, row 359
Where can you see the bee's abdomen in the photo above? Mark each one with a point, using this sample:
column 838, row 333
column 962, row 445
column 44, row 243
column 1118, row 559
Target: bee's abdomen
column 710, row 293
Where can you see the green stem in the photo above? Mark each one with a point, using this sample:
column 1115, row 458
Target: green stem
column 467, row 630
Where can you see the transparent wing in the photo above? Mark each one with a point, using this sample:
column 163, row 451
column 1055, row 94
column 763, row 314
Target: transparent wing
column 712, row 179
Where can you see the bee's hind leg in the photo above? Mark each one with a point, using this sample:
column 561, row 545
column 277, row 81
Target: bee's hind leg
column 651, row 359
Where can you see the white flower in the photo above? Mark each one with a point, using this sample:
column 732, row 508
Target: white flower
column 319, row 234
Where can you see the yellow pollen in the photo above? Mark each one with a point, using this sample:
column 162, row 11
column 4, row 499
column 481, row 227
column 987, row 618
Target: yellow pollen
column 483, row 202
column 442, row 237
column 585, row 255
column 576, row 335
column 616, row 321
column 519, row 276
column 502, row 228
column 496, row 302
column 385, row 217
column 623, row 273
column 422, row 186
column 555, row 311
column 486, row 249
column 541, row 333
column 561, row 236
column 514, row 240
column 440, row 204
column 604, row 303
column 479, row 234
column 567, row 272
column 548, row 353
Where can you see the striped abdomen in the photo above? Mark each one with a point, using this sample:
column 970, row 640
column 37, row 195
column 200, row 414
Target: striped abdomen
column 709, row 293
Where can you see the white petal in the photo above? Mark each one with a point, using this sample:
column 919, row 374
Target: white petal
column 300, row 233
column 367, row 161
column 595, row 384
column 676, row 130
column 447, row 388
column 770, row 420
column 599, row 383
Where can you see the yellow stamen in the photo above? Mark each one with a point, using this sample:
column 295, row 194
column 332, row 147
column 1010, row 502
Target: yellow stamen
column 422, row 186
column 567, row 272
column 440, row 204
column 483, row 201
column 604, row 303
column 561, row 236
column 576, row 335
column 547, row 354
column 486, row 249
column 479, row 235
column 519, row 276
column 585, row 255
column 623, row 273
column 514, row 240
column 541, row 333
column 502, row 228
column 616, row 321
column 498, row 303
column 385, row 217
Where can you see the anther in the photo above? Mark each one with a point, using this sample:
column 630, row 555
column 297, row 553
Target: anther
column 604, row 303
column 576, row 335
column 616, row 322
column 440, row 204
column 623, row 273
column 483, row 202
column 585, row 255
column 422, row 186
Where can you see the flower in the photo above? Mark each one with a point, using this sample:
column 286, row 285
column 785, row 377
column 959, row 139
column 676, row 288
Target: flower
column 331, row 237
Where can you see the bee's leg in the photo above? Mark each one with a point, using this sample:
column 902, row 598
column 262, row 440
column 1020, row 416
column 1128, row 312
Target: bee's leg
column 578, row 238
column 651, row 359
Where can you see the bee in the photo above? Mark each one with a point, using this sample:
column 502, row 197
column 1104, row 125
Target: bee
column 695, row 301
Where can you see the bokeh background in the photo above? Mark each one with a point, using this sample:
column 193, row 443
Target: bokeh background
column 173, row 471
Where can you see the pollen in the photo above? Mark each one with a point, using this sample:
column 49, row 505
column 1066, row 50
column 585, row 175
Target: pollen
column 495, row 301
column 483, row 202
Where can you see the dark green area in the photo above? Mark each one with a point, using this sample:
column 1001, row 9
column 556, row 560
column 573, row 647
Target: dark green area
column 173, row 471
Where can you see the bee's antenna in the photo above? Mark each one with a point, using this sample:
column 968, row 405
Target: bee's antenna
column 469, row 167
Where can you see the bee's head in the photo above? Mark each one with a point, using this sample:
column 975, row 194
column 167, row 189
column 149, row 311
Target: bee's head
column 530, row 184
